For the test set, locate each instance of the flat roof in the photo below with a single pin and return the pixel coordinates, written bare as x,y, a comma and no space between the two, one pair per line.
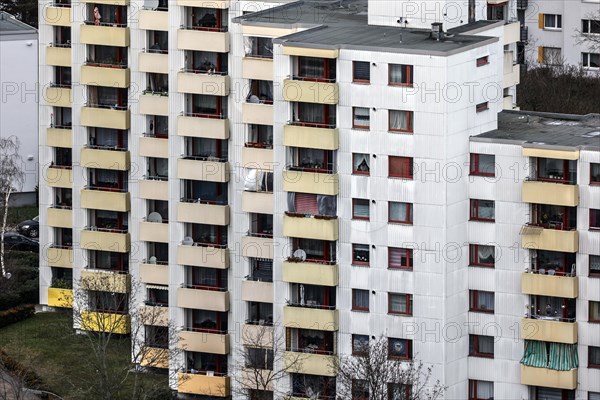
10,25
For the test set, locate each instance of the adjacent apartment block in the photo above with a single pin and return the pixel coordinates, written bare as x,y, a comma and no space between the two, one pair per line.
327,174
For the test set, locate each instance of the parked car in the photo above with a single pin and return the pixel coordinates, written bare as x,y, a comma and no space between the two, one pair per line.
30,228
15,241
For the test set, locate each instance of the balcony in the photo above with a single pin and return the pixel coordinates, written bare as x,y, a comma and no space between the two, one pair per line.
315,227
188,39
310,273
60,256
153,20
198,126
151,146
105,281
203,256
105,322
202,299
559,194
106,35
257,335
60,217
550,153
58,56
156,274
57,16
154,357
102,158
202,170
513,77
257,247
548,377
105,75
203,213
154,232
308,363
59,96
257,113
550,285
297,90
261,292
101,117
154,189
56,137
98,199
110,2
203,342
538,238
154,104
311,138
257,158
157,63
512,33
105,240
257,202
310,182
310,318
257,68
202,83
549,330
60,297
216,386
219,4
61,177
154,315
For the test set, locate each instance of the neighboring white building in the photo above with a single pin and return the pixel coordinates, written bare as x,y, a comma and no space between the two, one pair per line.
19,102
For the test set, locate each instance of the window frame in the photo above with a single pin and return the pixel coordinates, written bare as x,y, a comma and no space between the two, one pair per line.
409,166
359,262
409,119
590,319
476,352
588,56
354,80
409,304
588,30
474,165
409,217
409,73
356,352
356,172
473,385
481,107
361,127
483,61
406,388
594,212
356,307
557,22
594,182
590,365
590,274
408,347
473,259
354,216
474,295
408,256
474,203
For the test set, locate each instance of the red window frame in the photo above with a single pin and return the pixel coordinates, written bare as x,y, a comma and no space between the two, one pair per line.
474,165
474,302
356,352
409,119
474,204
481,61
475,352
590,365
360,262
355,172
473,390
408,350
409,75
594,182
326,70
482,107
408,217
473,261
408,255
360,80
354,201
566,173
408,161
357,308
590,312
354,126
409,305
590,273
594,215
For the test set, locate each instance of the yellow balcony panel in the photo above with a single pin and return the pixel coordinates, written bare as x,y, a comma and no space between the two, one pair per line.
57,16
308,52
60,297
512,32
210,128
200,299
200,170
109,2
105,118
105,200
257,202
105,281
154,189
59,96
257,158
311,228
310,273
154,147
267,31
105,76
59,138
550,193
153,20
257,335
154,315
203,256
548,330
105,241
59,177
104,35
513,77
550,285
257,247
257,68
219,4
261,292
310,182
153,104
217,42
105,159
60,257
559,154
310,92
58,56
154,62
250,376
154,357
204,342
198,213
157,274
215,386
311,138
154,232
310,318
545,377
105,322
307,363
550,239
60,217
199,83
257,113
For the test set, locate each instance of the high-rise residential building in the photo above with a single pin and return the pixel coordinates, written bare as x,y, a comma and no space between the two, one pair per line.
324,172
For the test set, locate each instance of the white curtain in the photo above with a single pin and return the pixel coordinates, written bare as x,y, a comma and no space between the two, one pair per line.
396,73
310,67
399,120
400,211
311,113
248,45
486,345
485,254
486,300
398,303
361,298
485,390
361,163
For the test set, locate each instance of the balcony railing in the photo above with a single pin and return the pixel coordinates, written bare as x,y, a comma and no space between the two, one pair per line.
203,287
204,28
307,305
108,24
312,124
108,106
204,115
106,189
108,230
311,79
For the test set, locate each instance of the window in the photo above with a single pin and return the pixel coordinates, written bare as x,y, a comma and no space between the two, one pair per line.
594,312
595,266
481,61
481,390
482,164
594,396
594,218
360,118
555,170
593,357
482,107
400,212
400,121
481,256
316,69
400,303
481,346
482,210
400,258
551,55
594,174
481,301
361,71
590,60
400,75
360,300
360,254
360,164
552,21
590,26
400,167
360,209
400,349
360,389
360,345
399,391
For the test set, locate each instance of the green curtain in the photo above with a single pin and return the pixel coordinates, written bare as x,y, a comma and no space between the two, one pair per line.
556,356
535,354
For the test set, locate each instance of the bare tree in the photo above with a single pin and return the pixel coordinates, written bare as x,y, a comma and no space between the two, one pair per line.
12,178
375,375
589,34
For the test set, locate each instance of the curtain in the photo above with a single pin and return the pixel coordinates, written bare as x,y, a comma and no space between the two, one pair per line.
309,112
594,310
595,264
397,257
291,202
360,162
361,298
398,211
486,209
485,390
399,120
487,163
250,182
310,67
563,356
486,344
248,45
400,166
535,354
486,300
485,254
327,205
398,303
397,73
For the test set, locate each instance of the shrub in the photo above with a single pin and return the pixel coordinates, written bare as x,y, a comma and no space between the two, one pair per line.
16,314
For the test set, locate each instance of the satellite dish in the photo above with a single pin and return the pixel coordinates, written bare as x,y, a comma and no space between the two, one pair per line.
188,241
154,217
151,4
153,260
301,254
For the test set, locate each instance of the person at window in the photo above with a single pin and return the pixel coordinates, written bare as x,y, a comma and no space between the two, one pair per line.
97,16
